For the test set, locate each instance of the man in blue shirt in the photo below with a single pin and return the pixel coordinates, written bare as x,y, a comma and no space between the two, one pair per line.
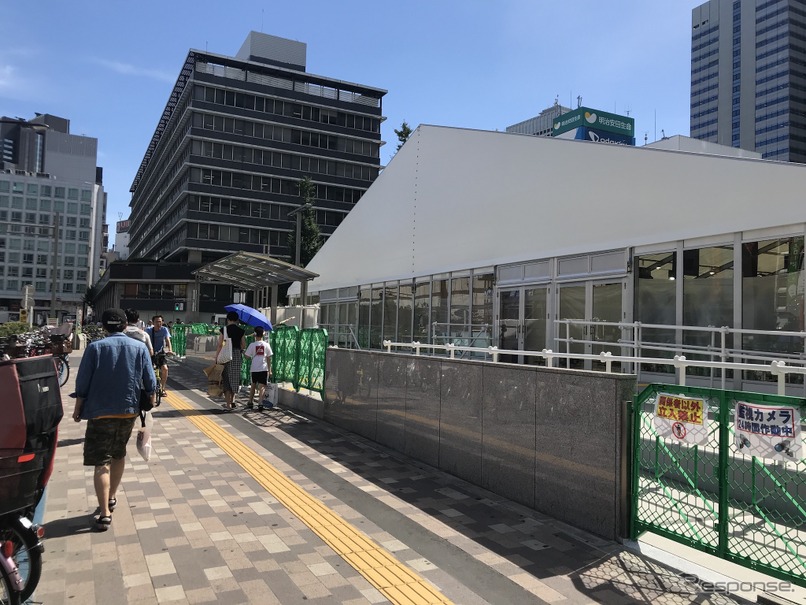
161,343
108,398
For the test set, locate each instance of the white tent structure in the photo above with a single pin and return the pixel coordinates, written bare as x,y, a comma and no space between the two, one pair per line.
456,199
490,238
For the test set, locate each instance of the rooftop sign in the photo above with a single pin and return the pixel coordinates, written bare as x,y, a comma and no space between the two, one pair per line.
589,118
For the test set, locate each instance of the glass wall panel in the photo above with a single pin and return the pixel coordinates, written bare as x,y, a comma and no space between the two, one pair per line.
459,328
655,304
404,314
482,310
363,317
390,313
439,311
707,301
376,318
772,294
707,289
422,312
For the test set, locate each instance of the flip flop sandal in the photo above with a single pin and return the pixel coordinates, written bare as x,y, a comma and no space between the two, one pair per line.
103,523
113,502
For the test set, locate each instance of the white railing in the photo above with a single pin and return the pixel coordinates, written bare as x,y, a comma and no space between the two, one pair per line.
776,368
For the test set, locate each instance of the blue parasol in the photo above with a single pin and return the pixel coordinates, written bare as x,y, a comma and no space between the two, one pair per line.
250,316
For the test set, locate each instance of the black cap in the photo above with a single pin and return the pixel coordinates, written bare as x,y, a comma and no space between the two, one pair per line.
114,320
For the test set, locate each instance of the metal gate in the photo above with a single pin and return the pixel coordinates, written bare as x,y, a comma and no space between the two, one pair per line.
723,472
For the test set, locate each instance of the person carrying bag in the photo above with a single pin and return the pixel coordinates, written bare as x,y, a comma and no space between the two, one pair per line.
230,347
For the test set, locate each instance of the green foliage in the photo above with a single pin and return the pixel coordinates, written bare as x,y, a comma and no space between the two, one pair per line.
93,332
403,134
311,237
13,327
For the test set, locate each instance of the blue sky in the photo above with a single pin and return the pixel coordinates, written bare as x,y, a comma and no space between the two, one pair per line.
109,66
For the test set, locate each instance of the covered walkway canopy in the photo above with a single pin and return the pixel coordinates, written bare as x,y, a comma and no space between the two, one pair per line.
252,271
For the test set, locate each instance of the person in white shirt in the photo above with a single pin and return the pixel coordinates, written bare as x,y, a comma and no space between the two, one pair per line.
260,353
133,330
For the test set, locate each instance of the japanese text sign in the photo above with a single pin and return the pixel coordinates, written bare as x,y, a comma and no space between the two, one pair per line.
768,431
681,418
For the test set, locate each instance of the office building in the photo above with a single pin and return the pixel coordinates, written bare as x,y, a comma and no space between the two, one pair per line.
748,76
52,209
541,125
235,139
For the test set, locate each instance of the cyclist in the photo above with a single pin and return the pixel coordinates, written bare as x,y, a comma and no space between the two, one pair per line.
161,342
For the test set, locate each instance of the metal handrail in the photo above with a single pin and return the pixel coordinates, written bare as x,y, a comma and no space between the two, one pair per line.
776,368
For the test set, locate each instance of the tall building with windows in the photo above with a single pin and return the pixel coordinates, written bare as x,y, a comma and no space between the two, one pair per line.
237,135
748,76
52,209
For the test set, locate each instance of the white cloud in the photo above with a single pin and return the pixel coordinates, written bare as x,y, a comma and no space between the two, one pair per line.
133,70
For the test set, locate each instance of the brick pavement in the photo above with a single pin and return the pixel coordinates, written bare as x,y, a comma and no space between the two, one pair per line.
193,526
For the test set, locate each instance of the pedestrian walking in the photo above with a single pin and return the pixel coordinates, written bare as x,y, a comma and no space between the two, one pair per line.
232,368
260,353
133,330
107,396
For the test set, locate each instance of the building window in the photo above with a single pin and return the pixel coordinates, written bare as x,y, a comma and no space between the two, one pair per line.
59,193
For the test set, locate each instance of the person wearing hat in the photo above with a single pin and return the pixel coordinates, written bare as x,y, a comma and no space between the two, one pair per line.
107,397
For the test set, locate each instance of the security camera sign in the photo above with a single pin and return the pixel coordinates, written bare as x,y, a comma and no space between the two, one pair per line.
768,431
681,418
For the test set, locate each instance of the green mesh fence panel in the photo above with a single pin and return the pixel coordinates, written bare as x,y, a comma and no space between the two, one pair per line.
310,372
700,479
179,339
284,346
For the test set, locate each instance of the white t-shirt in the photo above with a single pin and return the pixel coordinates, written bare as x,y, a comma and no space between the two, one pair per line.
260,352
138,334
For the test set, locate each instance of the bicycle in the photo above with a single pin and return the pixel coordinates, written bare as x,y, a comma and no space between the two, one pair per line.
25,550
9,576
60,352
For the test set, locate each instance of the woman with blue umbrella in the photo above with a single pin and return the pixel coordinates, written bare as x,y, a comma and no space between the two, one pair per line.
232,368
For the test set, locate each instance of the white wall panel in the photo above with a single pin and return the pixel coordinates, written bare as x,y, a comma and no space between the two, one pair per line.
454,199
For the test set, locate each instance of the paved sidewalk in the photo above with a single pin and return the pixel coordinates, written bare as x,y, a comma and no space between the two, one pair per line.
198,525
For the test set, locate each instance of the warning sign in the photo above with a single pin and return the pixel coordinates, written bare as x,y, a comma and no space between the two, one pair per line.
681,418
768,431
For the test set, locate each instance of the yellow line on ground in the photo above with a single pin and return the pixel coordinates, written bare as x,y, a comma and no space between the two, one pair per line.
394,580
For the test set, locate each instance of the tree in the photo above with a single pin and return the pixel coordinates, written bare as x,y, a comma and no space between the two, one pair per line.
311,238
403,134
90,294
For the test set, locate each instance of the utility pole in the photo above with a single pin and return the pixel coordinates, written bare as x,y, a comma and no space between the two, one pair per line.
55,267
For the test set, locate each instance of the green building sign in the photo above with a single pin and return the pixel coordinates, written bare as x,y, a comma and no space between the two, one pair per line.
584,117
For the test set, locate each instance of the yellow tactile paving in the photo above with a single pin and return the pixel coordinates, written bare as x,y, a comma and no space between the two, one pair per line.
394,580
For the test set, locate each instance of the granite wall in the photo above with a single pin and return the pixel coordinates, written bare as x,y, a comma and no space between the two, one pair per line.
553,439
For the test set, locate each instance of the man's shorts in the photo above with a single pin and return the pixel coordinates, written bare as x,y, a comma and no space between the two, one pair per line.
160,359
260,377
105,439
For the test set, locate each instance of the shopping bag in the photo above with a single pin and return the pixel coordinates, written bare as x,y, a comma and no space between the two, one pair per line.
225,354
214,372
214,389
271,395
144,437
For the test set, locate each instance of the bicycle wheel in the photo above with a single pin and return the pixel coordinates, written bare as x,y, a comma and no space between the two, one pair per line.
27,555
62,370
8,595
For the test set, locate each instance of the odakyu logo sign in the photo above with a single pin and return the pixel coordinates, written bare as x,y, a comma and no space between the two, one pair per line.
599,136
